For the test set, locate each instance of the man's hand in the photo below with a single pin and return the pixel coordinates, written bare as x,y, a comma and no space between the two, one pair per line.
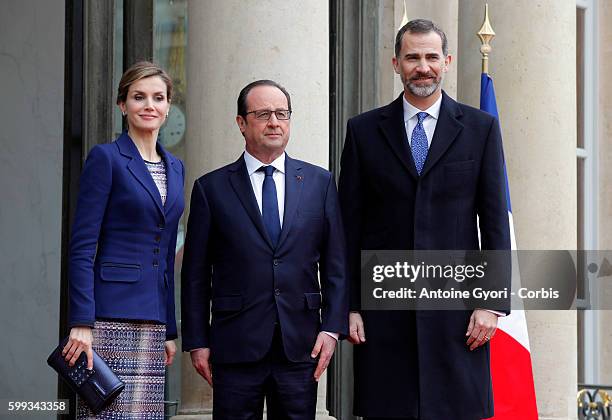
481,328
324,347
199,359
356,330
170,351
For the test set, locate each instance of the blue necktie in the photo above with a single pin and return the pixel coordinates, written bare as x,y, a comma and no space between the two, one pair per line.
269,205
418,143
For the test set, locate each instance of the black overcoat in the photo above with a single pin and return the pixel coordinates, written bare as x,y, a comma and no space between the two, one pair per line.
417,364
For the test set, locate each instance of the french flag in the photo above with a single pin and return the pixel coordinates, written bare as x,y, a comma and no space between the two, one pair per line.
513,389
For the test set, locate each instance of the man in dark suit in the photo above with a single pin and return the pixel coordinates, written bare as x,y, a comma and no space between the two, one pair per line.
260,232
416,174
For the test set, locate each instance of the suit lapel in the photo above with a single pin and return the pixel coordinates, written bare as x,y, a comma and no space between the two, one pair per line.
447,129
294,180
394,130
138,169
239,178
173,178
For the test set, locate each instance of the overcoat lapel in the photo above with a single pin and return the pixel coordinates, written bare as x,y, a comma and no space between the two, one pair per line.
239,178
139,170
447,129
294,180
393,128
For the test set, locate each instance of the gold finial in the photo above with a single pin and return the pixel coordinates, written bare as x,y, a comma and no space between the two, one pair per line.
486,34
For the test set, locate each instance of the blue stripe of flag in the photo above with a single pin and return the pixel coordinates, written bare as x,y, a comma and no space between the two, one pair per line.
488,104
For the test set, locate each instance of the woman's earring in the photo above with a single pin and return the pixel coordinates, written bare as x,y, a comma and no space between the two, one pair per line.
124,113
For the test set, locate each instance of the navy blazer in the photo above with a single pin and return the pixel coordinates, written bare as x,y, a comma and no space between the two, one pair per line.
123,239
230,261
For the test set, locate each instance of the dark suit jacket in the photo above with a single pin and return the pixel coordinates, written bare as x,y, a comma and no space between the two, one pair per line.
229,261
386,205
123,239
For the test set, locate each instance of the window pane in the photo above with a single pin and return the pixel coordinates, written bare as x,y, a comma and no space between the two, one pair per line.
169,49
580,75
581,265
580,330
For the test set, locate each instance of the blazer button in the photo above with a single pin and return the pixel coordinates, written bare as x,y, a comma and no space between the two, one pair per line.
277,292
156,251
276,262
160,226
155,263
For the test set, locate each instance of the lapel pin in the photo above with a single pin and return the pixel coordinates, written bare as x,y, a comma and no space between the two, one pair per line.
299,177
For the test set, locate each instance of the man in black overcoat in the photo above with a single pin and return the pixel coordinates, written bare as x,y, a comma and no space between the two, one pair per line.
418,174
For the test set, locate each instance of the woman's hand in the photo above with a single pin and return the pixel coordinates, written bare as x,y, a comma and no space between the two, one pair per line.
80,340
170,351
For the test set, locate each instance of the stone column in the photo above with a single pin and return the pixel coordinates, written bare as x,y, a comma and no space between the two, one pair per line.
286,41
537,107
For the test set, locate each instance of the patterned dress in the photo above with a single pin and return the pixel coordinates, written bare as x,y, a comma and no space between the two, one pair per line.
134,350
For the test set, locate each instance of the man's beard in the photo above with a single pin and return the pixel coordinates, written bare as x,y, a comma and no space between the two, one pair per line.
423,91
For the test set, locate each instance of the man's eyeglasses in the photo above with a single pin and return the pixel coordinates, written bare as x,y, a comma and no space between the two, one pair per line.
265,114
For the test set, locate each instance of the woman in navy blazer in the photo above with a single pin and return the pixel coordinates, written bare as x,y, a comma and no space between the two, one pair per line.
123,246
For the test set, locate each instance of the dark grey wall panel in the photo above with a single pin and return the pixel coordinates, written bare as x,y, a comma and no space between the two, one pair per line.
31,116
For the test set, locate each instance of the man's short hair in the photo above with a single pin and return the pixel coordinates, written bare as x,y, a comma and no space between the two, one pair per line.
420,26
242,97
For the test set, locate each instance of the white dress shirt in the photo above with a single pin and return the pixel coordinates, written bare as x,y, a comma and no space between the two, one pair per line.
429,123
257,179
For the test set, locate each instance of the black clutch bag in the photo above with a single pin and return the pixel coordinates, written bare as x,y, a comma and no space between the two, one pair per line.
98,387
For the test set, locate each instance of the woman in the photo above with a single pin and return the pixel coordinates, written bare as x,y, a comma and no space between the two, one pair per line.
122,250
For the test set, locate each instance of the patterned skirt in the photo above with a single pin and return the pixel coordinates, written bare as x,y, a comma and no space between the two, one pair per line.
135,352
